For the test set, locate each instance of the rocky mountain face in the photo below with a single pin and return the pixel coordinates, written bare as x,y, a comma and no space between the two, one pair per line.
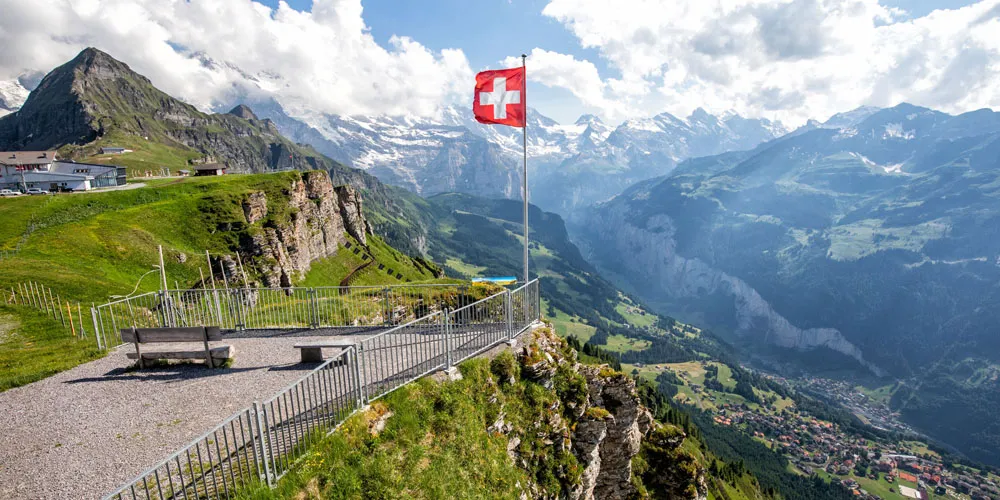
598,418
876,239
320,218
95,97
570,166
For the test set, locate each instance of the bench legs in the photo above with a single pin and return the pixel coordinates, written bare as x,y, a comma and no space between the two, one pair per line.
312,355
315,355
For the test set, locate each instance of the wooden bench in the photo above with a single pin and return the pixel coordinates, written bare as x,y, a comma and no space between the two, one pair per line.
213,356
313,351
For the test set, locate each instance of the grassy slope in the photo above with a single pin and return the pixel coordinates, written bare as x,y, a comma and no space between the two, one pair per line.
33,346
434,445
87,247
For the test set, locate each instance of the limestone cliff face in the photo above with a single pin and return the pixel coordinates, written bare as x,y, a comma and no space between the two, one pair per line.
652,254
603,425
321,217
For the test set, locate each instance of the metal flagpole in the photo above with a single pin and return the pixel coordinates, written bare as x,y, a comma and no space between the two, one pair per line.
524,177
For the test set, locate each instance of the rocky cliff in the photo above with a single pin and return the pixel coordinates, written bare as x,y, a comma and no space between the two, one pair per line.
652,253
315,221
598,418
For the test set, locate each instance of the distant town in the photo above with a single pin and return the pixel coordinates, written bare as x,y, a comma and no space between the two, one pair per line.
870,468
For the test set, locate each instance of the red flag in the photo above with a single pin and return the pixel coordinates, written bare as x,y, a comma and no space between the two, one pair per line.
499,97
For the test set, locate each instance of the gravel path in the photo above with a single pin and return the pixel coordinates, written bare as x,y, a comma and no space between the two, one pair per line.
84,432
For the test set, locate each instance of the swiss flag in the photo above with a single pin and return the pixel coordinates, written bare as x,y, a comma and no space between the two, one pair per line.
499,97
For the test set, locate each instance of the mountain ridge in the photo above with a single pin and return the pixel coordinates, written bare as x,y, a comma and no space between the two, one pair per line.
96,100
878,237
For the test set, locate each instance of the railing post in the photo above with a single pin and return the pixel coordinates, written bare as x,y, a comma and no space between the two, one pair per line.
359,376
538,301
314,307
386,310
447,338
509,313
265,456
218,305
360,370
97,332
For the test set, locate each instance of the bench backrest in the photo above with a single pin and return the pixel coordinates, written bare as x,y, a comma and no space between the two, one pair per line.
188,334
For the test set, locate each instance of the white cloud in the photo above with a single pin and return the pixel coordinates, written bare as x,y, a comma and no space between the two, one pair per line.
788,59
321,61
581,78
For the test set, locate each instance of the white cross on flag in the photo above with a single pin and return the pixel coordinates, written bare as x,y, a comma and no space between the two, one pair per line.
499,97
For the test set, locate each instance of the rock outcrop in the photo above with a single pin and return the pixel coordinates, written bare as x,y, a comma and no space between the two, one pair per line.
602,408
320,218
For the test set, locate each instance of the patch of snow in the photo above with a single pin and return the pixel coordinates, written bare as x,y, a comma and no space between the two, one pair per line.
896,131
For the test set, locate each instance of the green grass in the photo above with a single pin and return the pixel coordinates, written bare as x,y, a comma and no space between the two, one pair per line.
635,315
434,443
33,346
87,247
331,271
145,155
621,343
566,325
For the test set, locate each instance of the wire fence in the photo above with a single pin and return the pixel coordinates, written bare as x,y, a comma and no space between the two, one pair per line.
259,444
280,308
41,297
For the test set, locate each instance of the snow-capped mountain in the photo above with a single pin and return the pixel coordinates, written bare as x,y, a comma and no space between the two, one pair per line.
12,96
569,165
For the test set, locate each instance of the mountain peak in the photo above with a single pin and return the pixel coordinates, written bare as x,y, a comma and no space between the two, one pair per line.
587,119
243,111
94,63
700,113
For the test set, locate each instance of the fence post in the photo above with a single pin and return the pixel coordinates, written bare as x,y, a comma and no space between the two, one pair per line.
357,375
314,306
58,304
97,332
509,313
386,311
265,456
447,338
359,369
537,303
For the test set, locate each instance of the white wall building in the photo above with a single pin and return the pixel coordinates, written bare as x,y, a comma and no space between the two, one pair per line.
22,170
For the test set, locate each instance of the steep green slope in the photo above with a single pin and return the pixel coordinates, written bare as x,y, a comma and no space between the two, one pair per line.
89,246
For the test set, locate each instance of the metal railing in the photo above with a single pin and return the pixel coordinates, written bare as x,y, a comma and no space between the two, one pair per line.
279,308
259,444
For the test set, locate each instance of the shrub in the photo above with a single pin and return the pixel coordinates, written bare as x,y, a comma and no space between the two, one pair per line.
505,368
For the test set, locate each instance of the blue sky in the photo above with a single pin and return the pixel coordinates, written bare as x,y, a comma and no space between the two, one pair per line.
788,60
487,31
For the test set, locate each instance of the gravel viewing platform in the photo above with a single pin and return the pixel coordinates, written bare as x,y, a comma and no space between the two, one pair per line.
84,432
